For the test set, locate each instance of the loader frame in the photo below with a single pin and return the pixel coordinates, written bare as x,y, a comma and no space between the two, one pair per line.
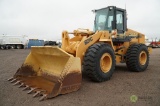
51,71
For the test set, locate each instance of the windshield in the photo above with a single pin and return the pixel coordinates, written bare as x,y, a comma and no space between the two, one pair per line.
103,19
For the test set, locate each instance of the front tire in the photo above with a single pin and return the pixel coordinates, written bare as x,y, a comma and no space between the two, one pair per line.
137,57
99,62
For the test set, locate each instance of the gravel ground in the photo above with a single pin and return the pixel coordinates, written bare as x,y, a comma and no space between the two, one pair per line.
116,92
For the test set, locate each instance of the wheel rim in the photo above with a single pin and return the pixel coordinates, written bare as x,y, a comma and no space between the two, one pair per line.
142,58
106,62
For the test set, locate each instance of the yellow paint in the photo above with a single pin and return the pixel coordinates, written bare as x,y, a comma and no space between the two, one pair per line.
149,50
60,61
106,62
77,47
142,57
82,47
51,60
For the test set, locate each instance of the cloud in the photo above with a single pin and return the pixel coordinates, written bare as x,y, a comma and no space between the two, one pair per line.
47,19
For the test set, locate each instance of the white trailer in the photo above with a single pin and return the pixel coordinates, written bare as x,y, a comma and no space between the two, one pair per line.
15,42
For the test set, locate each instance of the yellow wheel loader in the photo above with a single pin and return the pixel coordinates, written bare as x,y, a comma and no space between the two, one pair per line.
49,71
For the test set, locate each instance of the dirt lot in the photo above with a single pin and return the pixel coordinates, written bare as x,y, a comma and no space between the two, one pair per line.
116,92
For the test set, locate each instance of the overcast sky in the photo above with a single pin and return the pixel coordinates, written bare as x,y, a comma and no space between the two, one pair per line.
46,19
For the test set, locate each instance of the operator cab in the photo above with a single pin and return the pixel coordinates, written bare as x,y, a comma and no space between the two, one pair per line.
110,18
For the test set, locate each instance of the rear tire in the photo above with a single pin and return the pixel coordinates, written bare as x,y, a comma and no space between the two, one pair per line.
7,47
99,62
19,47
13,46
137,57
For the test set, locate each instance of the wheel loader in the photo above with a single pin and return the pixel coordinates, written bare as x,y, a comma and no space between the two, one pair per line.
49,71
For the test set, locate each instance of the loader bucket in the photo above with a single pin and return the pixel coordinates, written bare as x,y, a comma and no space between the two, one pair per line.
49,71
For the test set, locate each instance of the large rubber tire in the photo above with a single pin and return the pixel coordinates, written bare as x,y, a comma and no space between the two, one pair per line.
19,46
92,62
2,47
13,46
133,55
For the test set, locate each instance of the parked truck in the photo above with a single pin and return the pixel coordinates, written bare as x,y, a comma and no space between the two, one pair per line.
14,42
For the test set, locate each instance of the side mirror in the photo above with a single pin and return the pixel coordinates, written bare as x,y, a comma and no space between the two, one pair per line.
113,25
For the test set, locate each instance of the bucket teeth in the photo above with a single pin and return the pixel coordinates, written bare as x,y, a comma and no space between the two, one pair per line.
13,80
16,83
37,93
43,97
10,79
30,91
27,87
22,85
